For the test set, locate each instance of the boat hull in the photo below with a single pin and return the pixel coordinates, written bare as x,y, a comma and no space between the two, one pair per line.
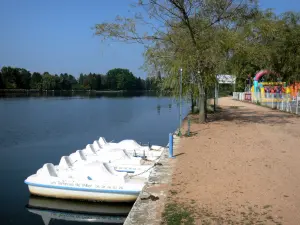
87,195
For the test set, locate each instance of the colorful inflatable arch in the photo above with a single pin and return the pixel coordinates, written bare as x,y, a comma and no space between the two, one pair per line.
259,75
258,87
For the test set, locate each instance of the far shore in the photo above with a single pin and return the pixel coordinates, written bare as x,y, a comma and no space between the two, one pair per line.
77,91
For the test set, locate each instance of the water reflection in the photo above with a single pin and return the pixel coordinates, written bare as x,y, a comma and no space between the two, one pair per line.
85,94
158,107
51,210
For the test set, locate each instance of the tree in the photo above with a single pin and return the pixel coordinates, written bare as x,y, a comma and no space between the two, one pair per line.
9,76
36,81
23,79
72,80
104,82
285,46
194,22
48,82
81,79
98,82
139,84
92,81
1,81
65,82
118,79
111,76
267,42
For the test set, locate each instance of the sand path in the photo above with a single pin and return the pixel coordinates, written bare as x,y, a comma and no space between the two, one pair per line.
248,156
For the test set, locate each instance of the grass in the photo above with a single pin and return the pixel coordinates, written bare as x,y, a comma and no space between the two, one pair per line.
184,214
173,192
234,107
178,214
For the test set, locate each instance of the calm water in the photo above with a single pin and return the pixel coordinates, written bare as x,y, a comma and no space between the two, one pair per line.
36,130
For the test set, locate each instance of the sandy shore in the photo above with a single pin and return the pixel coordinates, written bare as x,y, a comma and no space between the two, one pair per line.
243,167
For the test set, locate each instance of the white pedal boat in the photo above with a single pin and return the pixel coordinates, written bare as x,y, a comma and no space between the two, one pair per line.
58,209
115,157
67,162
66,165
92,182
130,146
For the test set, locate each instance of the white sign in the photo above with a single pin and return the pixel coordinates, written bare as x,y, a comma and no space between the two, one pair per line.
226,79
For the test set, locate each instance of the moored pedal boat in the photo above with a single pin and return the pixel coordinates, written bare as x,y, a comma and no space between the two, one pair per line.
129,145
116,157
93,182
138,171
91,150
132,148
66,162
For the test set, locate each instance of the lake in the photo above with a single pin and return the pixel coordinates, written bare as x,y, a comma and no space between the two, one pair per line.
37,130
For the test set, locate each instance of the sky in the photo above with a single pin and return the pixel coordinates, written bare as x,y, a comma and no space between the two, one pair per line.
56,36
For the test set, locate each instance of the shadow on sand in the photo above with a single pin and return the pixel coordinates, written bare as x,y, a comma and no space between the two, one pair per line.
245,115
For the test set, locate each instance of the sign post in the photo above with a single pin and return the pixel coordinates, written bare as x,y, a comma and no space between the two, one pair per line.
180,83
297,104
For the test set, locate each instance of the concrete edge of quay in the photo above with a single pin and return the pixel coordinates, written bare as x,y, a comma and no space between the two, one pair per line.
149,206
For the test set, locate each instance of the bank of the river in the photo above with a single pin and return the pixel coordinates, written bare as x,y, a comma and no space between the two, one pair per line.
240,168
150,204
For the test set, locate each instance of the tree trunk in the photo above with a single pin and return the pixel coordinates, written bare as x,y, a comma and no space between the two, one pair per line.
192,102
201,104
215,106
215,97
205,106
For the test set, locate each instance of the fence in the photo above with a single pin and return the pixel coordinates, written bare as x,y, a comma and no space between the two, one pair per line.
283,102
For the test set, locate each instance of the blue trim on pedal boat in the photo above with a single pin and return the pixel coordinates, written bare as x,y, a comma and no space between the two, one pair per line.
127,171
83,189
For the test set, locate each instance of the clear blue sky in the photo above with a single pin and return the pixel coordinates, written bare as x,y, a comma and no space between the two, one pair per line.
56,36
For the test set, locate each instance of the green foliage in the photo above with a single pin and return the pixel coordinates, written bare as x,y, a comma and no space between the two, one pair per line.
123,79
1,81
195,36
36,81
175,214
116,79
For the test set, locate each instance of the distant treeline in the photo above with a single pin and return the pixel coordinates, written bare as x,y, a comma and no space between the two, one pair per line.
115,79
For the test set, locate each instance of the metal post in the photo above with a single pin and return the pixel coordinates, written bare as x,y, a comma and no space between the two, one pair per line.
272,96
171,145
189,127
179,132
216,96
297,104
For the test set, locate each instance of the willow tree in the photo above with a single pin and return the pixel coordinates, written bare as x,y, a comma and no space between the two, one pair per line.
162,17
199,70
